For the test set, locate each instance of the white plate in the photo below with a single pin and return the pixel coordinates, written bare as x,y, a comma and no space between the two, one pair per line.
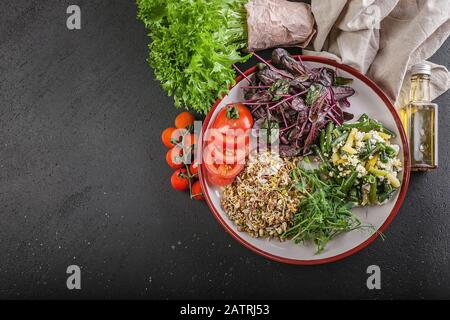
368,99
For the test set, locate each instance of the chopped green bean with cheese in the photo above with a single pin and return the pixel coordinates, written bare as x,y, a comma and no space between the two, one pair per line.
362,158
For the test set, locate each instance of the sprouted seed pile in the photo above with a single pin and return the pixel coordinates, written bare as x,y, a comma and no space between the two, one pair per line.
261,201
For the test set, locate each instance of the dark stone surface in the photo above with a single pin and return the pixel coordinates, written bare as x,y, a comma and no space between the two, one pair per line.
83,181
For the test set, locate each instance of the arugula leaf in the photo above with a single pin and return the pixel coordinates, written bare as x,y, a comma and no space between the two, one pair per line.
323,213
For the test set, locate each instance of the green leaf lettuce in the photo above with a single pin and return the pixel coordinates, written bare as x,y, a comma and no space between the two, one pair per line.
194,46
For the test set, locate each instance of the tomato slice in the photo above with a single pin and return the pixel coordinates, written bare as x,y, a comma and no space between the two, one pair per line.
218,181
233,138
221,164
213,154
227,144
225,171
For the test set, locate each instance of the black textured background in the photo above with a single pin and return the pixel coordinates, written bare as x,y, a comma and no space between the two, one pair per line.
83,181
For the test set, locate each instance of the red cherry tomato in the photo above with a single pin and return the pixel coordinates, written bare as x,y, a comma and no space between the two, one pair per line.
179,180
174,158
189,140
235,116
184,119
197,192
193,168
171,135
166,137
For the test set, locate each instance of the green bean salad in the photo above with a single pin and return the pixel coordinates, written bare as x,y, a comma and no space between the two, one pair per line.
360,158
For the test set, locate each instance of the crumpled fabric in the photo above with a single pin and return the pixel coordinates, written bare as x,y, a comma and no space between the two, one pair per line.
383,39
273,23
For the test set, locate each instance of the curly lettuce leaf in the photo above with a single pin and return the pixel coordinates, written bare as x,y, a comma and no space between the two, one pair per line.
194,46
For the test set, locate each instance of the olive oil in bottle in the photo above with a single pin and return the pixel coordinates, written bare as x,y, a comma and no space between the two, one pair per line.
419,118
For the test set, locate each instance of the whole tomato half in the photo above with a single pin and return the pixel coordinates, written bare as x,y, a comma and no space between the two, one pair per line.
233,117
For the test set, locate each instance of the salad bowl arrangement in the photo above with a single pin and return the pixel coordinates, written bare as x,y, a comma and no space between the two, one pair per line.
340,172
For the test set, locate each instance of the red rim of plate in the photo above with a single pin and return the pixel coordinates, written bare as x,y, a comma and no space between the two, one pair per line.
402,192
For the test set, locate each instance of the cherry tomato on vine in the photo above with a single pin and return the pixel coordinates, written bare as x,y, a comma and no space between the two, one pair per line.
166,137
172,136
189,140
174,158
179,180
193,168
197,192
184,120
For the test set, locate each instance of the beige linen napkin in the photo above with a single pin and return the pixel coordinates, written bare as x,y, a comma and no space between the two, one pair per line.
384,38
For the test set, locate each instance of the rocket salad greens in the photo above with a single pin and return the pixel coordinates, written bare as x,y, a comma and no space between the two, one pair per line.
323,211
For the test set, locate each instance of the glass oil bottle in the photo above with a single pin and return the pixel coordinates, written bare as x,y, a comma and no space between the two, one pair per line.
419,118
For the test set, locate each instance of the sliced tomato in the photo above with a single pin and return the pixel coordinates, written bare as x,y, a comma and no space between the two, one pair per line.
218,181
221,164
225,171
237,138
213,154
